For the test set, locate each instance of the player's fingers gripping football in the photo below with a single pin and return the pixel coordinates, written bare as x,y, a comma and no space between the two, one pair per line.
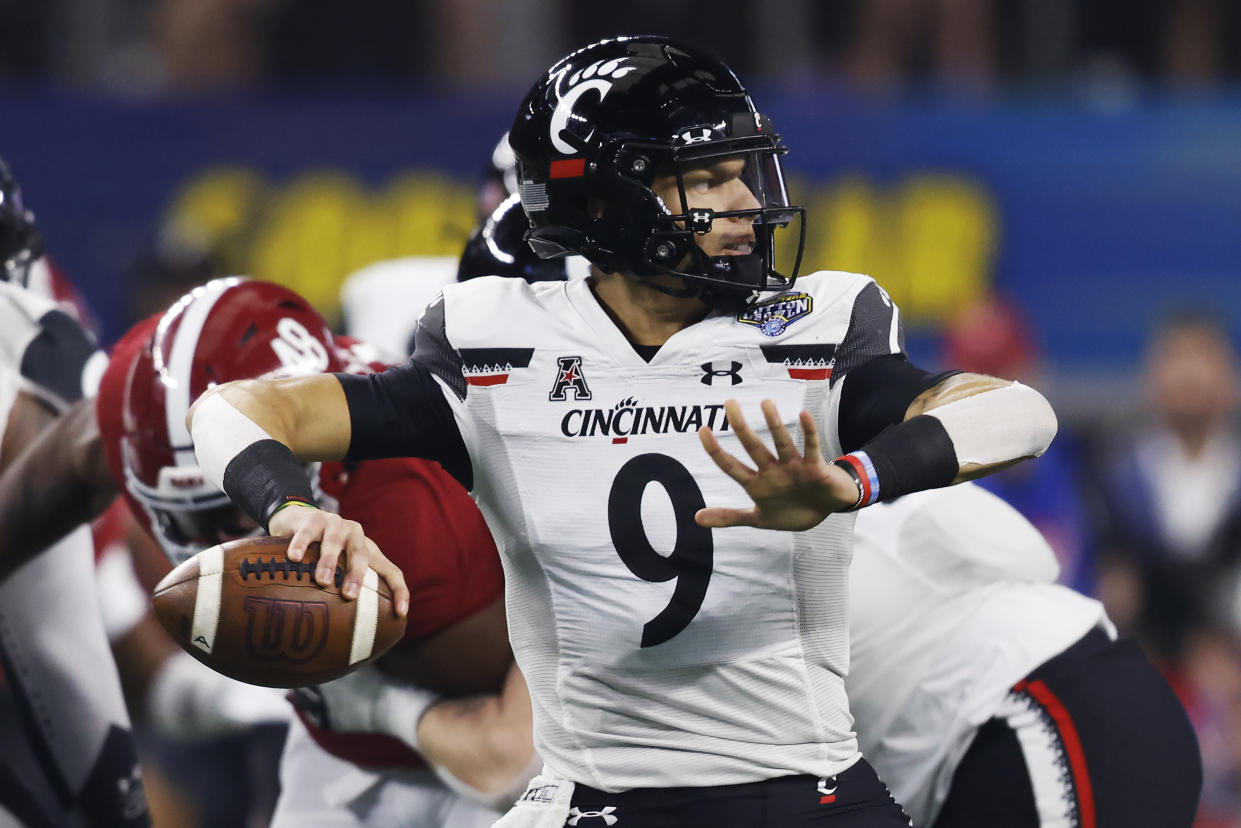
386,570
301,525
341,535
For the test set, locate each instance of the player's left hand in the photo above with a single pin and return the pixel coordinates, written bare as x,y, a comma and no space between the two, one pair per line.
791,490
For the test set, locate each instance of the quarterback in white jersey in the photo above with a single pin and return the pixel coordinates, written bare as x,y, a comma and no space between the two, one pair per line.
960,640
686,662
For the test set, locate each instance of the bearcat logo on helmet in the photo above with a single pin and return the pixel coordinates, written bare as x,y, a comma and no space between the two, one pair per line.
629,419
774,316
599,77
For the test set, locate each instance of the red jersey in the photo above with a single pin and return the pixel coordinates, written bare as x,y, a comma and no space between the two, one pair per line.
419,516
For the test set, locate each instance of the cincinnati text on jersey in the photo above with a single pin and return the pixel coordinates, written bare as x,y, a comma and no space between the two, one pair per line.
628,419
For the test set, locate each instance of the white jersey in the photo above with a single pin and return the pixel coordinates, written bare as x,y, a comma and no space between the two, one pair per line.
953,601
51,631
382,301
44,352
659,653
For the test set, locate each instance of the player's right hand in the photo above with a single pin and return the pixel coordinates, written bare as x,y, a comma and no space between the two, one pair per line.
792,490
306,525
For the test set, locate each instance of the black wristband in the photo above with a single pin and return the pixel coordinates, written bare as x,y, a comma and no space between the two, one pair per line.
849,464
912,456
264,476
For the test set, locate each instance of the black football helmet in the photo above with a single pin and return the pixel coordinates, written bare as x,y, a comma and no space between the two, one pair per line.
498,247
596,130
20,242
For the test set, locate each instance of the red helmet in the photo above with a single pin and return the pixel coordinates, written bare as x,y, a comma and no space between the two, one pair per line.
228,329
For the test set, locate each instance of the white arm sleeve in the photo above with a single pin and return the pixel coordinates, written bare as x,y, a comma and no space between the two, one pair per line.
999,425
220,432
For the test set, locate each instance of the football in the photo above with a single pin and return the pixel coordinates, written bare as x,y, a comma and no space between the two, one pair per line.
247,611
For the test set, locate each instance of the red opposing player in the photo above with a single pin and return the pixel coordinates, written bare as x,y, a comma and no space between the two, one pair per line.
231,329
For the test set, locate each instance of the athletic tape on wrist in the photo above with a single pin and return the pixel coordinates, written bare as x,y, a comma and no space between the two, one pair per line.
220,432
259,473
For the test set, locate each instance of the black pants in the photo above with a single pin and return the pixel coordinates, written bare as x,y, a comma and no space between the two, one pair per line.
1096,736
853,799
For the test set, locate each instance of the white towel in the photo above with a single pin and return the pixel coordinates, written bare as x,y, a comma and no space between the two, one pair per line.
545,804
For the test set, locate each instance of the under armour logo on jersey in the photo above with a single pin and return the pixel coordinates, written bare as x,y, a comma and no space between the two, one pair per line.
576,816
710,372
569,376
827,792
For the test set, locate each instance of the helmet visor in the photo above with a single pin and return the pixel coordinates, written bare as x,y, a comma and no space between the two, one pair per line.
731,211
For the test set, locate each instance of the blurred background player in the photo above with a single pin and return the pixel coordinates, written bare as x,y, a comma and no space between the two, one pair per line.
232,328
69,751
382,302
987,694
990,335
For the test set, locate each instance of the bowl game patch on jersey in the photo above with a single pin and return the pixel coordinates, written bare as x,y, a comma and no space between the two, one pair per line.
774,316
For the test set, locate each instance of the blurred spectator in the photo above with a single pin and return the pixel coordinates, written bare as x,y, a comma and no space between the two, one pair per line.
1208,681
181,257
991,337
949,40
191,46
1170,487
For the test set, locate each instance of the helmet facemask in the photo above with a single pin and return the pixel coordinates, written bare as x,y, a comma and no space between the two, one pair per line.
188,514
770,235
21,244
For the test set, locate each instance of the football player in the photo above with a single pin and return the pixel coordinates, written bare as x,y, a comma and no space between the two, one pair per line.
986,694
54,651
451,763
383,301
679,674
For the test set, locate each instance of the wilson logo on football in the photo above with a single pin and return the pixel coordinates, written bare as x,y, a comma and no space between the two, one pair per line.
284,630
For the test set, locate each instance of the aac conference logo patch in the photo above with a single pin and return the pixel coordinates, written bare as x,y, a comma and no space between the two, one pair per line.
774,316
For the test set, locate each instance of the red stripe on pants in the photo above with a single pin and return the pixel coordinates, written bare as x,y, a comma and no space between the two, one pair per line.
1072,744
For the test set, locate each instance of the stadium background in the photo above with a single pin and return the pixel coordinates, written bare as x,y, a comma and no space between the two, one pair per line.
1079,160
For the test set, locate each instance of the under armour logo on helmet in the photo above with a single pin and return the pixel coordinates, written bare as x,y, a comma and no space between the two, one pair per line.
710,372
695,136
700,219
576,816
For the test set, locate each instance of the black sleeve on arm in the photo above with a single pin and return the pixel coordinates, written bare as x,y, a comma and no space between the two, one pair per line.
264,477
876,395
402,413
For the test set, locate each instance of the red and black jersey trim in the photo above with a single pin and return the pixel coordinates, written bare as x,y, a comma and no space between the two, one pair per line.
492,366
805,362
